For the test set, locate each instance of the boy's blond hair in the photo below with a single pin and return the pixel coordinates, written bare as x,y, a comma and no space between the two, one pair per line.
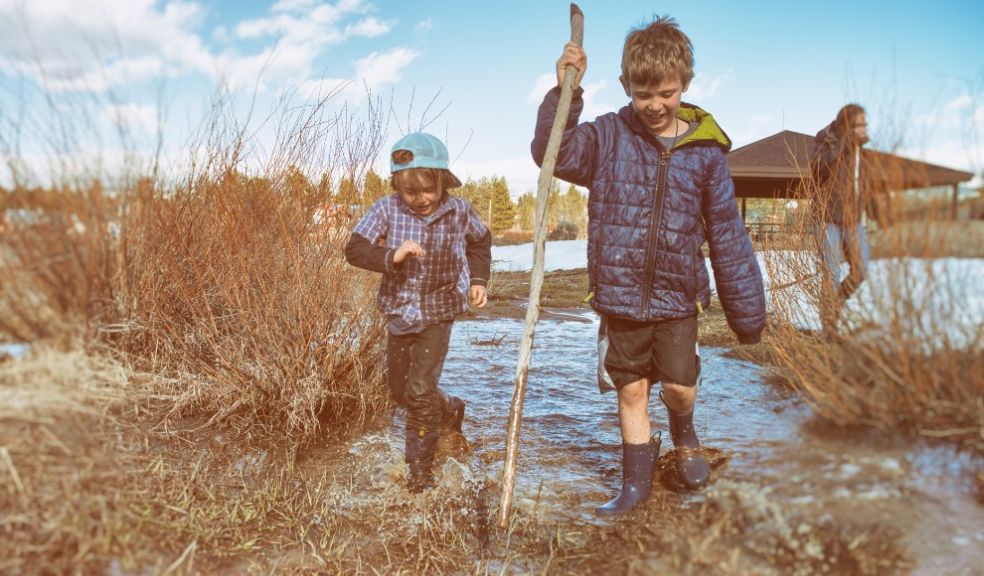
656,52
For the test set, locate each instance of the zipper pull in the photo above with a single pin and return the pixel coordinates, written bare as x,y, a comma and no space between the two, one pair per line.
700,307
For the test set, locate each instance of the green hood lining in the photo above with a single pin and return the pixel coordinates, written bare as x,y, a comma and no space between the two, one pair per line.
707,127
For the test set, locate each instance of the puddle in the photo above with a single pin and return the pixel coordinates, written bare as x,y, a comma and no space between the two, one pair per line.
777,451
570,446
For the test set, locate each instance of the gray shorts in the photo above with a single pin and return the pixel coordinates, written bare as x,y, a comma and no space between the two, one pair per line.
662,350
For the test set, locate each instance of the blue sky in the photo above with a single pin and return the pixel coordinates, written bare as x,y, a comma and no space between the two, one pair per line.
761,66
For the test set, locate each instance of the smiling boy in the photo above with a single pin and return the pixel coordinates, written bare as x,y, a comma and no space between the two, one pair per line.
659,186
435,255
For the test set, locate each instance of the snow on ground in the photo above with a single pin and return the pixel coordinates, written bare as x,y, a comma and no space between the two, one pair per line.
560,255
948,292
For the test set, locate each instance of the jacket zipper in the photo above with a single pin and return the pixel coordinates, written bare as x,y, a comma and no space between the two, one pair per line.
664,159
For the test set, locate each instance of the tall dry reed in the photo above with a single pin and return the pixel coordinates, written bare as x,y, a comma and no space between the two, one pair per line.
904,351
224,278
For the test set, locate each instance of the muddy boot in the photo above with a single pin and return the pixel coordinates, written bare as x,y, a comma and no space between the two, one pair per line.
638,463
694,468
452,412
420,448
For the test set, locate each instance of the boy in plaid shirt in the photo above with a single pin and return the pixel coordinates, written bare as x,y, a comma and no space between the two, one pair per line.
435,255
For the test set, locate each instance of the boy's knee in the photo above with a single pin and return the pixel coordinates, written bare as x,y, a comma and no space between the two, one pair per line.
634,393
423,402
679,397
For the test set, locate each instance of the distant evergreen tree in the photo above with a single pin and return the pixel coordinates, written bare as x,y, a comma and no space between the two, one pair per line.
572,207
374,187
503,209
553,204
525,208
297,185
347,193
324,190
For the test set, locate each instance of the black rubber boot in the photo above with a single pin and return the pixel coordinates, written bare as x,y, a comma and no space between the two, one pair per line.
638,463
694,468
420,448
452,412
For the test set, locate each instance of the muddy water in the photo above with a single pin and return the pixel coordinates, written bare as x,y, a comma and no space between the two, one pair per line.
570,451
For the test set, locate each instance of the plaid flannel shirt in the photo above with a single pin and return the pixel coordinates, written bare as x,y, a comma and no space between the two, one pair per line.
432,288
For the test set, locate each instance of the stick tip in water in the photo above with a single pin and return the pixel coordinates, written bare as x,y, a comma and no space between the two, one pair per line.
575,10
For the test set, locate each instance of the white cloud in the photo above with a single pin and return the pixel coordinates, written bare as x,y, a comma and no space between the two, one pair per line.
423,27
372,72
132,116
368,28
65,47
703,87
542,85
324,87
952,153
381,68
592,108
957,104
112,43
292,5
302,31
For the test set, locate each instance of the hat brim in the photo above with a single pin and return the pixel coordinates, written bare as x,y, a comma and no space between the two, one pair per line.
450,180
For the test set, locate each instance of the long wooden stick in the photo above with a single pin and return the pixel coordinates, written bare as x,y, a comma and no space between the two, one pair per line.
536,280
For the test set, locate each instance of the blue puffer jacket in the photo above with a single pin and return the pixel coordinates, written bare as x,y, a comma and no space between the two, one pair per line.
649,212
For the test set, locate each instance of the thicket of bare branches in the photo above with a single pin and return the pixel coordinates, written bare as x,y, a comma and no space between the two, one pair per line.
228,279
902,353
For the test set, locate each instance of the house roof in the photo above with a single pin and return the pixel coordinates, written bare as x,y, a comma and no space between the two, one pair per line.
775,163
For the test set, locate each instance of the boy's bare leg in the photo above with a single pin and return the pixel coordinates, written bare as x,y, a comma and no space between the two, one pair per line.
633,412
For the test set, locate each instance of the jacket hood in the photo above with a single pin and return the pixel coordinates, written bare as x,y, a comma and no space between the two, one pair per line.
828,135
831,139
707,131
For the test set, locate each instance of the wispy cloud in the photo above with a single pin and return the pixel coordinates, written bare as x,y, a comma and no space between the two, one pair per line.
113,43
372,72
542,85
132,116
704,87
368,28
65,47
592,107
423,27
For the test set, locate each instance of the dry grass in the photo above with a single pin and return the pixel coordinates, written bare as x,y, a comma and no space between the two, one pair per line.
930,239
223,282
904,356
90,484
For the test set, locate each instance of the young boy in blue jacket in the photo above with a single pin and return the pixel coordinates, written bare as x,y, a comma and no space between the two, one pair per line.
435,255
659,186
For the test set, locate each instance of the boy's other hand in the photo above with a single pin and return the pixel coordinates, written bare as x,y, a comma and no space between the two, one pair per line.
479,296
573,55
407,249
